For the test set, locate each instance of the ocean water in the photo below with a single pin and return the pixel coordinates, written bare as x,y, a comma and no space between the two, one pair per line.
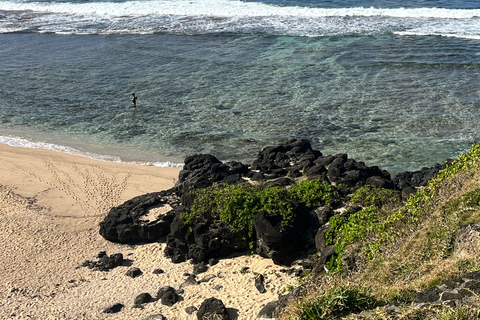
394,85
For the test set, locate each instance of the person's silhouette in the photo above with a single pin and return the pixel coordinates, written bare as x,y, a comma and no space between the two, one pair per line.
134,100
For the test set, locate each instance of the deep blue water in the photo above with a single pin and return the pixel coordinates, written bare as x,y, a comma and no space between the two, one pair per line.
392,85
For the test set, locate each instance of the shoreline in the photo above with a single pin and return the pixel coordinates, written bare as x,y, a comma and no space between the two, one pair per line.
51,203
21,142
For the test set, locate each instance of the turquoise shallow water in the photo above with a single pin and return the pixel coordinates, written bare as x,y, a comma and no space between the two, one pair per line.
373,87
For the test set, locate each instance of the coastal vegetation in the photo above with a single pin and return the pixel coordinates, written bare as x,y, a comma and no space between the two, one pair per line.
237,204
401,249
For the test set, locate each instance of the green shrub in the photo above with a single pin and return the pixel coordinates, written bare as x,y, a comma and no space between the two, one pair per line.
313,193
345,231
237,204
371,196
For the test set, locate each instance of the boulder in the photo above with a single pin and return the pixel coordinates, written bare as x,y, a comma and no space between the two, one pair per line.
127,224
298,153
206,240
134,272
168,296
142,298
212,308
283,244
202,170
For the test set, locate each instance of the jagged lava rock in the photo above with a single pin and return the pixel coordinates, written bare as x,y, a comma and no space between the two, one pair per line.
124,224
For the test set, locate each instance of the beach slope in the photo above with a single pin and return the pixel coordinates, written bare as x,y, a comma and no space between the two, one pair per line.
50,206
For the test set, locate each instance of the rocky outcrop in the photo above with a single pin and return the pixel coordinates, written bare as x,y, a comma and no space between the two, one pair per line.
408,179
129,223
283,244
201,171
202,242
134,221
453,292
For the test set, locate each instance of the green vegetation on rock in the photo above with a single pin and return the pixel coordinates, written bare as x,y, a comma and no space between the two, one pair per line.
238,204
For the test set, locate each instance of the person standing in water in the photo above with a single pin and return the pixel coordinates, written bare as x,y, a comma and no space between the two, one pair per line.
134,100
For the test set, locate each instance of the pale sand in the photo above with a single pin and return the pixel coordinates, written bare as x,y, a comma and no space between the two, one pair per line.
50,207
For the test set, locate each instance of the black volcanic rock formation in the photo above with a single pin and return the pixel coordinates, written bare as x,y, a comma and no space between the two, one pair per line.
281,165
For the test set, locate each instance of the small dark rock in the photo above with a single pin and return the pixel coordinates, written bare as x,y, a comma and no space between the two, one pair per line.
190,281
453,283
274,308
475,275
271,310
105,263
446,296
158,271
180,291
260,283
143,298
117,307
200,268
168,296
156,317
207,278
473,285
218,287
134,272
190,310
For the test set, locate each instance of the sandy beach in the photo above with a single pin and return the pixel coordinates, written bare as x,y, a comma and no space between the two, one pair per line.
51,204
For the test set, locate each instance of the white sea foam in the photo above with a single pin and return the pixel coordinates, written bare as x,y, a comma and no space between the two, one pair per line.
211,16
25,143
227,9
